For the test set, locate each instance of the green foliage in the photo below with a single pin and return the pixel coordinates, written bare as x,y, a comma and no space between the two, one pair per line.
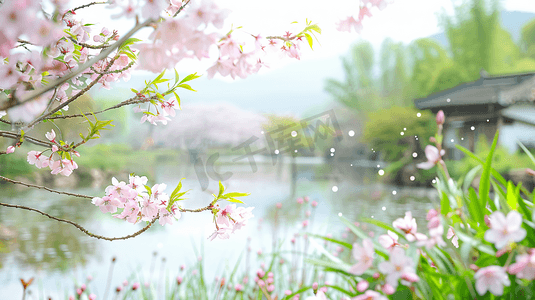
383,130
502,162
13,165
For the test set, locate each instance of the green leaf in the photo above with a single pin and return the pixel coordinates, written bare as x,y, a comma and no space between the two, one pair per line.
445,205
235,200
177,99
484,184
186,86
341,243
309,40
221,189
134,90
512,195
234,194
469,178
148,190
190,77
128,42
177,189
477,212
527,151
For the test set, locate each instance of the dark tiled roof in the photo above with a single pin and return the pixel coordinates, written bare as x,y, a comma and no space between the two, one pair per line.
504,90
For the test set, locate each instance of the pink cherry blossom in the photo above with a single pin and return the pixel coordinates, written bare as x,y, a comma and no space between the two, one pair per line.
524,267
370,295
364,255
106,204
153,8
10,149
408,225
454,238
222,233
389,240
397,266
348,24
433,157
170,106
505,230
492,279
51,136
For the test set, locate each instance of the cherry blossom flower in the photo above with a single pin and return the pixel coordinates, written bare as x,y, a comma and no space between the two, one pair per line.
397,266
137,183
364,256
51,136
408,225
454,238
170,106
223,67
524,267
10,149
106,204
153,8
504,230
389,240
370,295
222,233
492,279
348,24
433,157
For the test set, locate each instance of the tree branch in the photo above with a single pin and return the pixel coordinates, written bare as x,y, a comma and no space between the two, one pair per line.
44,188
82,229
37,92
16,136
80,93
87,5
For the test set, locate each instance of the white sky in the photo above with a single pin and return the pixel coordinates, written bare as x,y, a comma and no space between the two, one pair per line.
402,20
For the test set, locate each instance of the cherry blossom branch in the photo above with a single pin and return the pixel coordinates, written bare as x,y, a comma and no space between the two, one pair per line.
80,93
114,71
82,229
38,92
180,9
209,207
44,188
85,45
88,5
17,136
133,100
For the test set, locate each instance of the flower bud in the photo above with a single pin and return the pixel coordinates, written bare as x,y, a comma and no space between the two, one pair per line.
178,280
363,285
388,289
271,288
238,287
261,283
440,117
315,286
410,277
287,292
135,286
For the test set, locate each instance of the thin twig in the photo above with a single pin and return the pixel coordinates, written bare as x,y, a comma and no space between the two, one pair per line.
209,207
115,71
37,92
80,93
180,9
133,100
44,188
16,136
85,45
82,229
87,5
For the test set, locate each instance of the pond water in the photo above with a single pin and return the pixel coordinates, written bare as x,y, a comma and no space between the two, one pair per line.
59,255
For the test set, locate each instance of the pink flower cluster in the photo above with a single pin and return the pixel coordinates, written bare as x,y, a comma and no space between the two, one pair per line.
436,230
409,227
163,110
351,23
64,166
136,202
230,219
399,266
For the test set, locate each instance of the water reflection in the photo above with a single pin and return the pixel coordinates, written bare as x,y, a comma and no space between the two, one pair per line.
36,242
54,248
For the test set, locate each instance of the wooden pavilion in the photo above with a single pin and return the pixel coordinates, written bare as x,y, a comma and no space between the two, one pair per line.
481,107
